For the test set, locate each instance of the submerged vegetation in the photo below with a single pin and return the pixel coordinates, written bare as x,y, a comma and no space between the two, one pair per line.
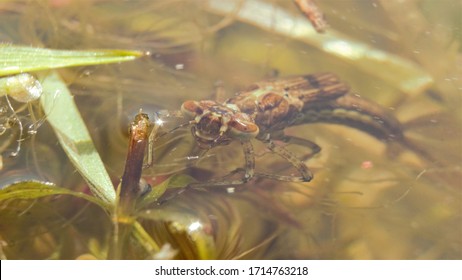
66,145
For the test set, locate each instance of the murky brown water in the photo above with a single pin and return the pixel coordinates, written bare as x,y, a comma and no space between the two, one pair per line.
367,200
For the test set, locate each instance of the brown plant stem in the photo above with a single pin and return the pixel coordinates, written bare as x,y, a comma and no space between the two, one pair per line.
129,188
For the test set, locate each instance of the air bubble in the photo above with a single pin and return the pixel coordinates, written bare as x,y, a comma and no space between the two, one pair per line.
22,87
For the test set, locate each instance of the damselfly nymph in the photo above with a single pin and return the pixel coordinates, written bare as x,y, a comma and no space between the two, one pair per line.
265,109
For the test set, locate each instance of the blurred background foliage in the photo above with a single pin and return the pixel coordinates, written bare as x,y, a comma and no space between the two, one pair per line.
404,55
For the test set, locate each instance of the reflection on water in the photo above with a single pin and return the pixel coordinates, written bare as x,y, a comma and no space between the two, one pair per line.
368,200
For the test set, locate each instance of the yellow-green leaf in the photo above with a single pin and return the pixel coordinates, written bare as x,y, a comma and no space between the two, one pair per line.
174,181
35,189
64,117
18,59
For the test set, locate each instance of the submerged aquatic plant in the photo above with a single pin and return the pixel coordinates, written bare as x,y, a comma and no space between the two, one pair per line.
27,201
407,205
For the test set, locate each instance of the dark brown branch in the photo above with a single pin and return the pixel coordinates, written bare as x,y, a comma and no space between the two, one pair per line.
130,188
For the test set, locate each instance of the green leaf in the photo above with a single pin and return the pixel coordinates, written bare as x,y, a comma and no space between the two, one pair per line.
64,117
174,181
18,59
35,189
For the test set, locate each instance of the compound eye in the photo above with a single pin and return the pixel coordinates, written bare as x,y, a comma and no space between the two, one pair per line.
242,129
191,108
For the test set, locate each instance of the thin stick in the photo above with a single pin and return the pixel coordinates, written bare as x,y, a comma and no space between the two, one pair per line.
313,13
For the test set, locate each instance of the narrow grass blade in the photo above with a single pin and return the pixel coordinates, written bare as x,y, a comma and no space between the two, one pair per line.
64,117
18,59
35,189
